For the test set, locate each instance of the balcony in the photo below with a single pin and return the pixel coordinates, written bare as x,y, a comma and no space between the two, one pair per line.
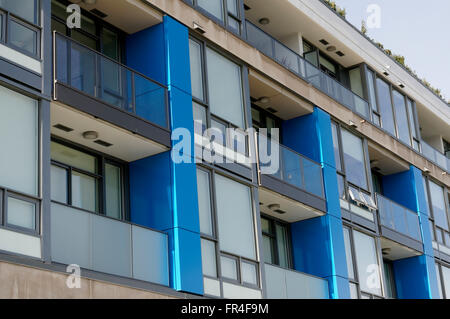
289,284
106,89
277,51
435,156
399,224
297,179
107,245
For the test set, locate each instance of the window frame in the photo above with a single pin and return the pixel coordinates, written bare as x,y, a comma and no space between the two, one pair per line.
100,177
342,172
5,37
274,243
356,279
212,172
437,230
205,102
441,264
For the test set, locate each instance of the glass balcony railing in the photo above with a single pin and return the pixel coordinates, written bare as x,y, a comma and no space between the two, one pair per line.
304,69
435,156
110,246
294,169
96,75
289,284
398,218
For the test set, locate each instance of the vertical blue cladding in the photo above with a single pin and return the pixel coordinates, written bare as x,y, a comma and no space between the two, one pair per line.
163,193
318,243
407,189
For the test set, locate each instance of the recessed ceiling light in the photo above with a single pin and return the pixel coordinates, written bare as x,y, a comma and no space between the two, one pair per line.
90,135
331,48
90,2
264,21
274,206
264,100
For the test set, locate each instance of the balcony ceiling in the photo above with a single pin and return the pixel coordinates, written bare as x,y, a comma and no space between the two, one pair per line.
288,105
386,162
395,251
128,15
432,125
126,145
286,20
295,211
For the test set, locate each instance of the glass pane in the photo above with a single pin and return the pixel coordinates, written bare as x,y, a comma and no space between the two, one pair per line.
214,7
235,217
411,117
110,41
249,273
21,213
446,280
195,54
113,184
74,158
58,27
233,7
234,24
353,291
200,123
19,142
25,9
438,205
219,132
341,186
337,157
354,159
348,253
59,184
402,118
367,263
204,202
265,225
23,37
84,39
229,267
209,258
385,104
282,246
286,57
59,10
83,69
84,192
112,75
371,87
88,25
225,88
150,101
439,281
268,250
389,280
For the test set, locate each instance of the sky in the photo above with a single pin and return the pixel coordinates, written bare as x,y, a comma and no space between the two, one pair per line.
416,29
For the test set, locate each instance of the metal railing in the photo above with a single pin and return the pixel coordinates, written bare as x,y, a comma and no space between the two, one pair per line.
304,69
398,218
95,74
294,168
290,284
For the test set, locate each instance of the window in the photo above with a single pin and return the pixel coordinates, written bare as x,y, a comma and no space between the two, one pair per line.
94,32
276,243
436,197
388,278
443,277
22,25
87,181
385,105
263,119
362,263
218,105
401,116
227,12
352,172
227,231
412,124
19,158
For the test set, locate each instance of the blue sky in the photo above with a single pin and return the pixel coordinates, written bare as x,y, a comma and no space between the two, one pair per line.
416,29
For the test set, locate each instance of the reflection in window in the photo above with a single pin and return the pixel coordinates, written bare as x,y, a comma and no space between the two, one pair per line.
401,116
354,160
385,105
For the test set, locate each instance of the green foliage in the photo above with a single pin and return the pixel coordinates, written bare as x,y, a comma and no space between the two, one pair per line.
336,8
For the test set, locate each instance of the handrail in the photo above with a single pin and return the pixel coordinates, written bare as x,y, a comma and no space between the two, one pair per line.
307,64
434,156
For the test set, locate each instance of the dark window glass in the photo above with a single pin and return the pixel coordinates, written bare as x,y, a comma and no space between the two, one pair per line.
26,9
23,37
385,104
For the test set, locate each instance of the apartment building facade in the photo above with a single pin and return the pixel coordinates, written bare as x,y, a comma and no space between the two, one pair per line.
358,207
